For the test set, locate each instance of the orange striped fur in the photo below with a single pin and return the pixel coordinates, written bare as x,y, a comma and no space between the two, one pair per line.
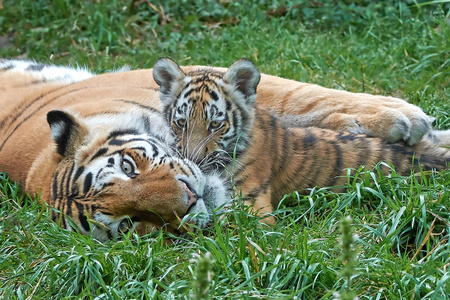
212,110
96,150
55,120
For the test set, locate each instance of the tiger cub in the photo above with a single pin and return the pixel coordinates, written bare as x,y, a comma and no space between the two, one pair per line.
218,123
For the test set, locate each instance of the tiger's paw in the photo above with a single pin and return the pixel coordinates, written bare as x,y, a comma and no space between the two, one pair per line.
390,124
419,127
396,126
389,118
395,120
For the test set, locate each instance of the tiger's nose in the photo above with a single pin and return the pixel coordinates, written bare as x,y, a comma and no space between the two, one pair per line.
191,193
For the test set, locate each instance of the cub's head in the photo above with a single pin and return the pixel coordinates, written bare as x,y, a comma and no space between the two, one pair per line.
210,112
111,180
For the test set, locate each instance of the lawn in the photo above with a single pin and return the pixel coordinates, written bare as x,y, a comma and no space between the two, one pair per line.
401,224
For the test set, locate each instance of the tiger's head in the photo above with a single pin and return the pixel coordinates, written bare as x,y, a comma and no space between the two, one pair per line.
211,112
117,173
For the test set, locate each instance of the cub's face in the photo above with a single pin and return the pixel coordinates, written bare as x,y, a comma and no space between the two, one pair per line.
200,118
210,112
118,181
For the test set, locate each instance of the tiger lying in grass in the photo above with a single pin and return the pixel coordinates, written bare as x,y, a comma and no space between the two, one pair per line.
212,110
105,159
96,148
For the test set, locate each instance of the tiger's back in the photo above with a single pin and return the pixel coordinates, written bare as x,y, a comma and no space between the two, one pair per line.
26,94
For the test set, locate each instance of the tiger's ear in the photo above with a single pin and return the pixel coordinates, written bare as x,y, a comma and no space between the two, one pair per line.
244,76
167,75
66,131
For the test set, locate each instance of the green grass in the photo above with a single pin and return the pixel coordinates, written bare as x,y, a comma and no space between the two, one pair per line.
403,223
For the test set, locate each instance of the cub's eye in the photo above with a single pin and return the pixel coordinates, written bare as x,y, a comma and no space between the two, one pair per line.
215,125
128,167
181,123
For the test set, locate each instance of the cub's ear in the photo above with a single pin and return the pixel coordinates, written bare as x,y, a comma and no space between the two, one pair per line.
244,76
66,131
167,74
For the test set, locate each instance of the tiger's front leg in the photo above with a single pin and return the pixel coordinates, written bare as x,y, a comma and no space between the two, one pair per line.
262,206
254,180
308,105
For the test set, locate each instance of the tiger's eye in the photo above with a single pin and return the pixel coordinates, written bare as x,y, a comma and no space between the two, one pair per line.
215,125
128,168
125,226
180,123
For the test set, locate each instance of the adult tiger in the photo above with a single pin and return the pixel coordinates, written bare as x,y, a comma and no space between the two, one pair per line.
107,160
210,110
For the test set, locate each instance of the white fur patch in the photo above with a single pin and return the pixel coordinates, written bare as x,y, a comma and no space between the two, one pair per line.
57,130
47,72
